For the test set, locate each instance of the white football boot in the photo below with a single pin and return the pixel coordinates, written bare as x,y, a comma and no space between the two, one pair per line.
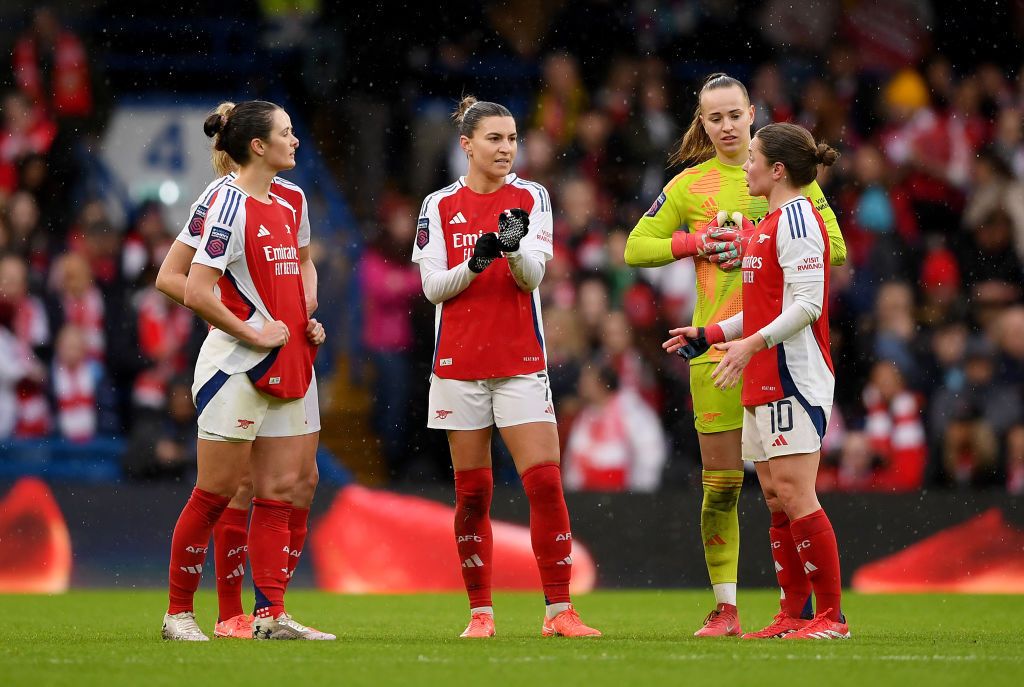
182,627
283,627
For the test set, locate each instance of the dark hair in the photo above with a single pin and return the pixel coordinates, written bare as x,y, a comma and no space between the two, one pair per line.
470,112
606,374
233,129
695,146
794,147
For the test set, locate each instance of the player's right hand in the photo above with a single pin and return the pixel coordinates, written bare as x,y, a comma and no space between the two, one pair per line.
273,335
686,342
486,250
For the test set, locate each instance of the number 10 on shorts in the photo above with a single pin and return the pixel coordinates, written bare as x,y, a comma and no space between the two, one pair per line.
781,414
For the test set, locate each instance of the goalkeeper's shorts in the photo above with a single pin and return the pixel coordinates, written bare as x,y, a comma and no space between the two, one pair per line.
714,410
502,402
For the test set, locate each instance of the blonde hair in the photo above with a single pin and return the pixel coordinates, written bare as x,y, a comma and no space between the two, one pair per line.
220,161
696,146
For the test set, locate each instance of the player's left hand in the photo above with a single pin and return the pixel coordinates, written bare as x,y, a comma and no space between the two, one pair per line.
315,332
738,353
513,225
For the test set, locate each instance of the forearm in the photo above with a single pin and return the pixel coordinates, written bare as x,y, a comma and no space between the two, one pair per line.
802,312
209,307
309,285
440,284
172,286
527,268
732,327
648,251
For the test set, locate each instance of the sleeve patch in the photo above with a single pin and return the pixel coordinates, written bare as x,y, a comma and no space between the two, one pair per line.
655,206
195,225
218,243
422,232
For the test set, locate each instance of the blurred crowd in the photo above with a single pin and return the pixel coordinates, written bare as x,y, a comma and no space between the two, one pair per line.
927,315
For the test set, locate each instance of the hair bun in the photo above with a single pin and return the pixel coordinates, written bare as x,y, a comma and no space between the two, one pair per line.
825,154
214,124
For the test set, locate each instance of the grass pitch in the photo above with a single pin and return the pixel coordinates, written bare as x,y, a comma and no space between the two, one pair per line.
112,638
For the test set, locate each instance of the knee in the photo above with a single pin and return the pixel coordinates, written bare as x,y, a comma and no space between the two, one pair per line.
278,487
774,503
305,488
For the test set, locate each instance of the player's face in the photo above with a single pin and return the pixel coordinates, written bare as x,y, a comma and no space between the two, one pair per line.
279,148
759,174
727,116
492,149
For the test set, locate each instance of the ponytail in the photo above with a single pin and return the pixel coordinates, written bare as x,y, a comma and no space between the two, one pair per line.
220,161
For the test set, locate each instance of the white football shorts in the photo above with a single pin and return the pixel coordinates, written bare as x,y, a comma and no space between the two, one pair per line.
476,404
230,408
782,428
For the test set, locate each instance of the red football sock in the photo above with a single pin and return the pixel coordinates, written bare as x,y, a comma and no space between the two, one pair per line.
189,542
816,543
268,554
473,489
796,588
230,554
298,525
549,530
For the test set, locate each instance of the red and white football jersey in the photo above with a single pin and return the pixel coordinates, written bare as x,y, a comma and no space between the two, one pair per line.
491,329
789,246
254,245
192,232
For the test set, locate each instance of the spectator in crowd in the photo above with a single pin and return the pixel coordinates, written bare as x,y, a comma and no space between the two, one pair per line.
81,393
52,68
971,415
390,283
894,431
162,444
79,302
23,412
26,131
617,442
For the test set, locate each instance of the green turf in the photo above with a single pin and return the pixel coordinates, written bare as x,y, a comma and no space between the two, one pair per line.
112,638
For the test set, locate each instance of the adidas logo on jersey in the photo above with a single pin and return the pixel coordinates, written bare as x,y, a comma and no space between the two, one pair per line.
263,231
458,219
780,441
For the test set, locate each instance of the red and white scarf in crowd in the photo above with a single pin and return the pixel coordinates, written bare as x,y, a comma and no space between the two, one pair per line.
75,391
86,313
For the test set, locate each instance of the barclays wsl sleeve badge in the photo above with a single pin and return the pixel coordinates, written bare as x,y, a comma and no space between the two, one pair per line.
218,243
655,206
195,225
422,232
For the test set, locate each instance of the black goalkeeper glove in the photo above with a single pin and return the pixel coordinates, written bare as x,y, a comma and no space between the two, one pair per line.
486,250
694,347
513,225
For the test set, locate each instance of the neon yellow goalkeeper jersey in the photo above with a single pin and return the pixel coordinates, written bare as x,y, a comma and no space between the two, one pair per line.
688,203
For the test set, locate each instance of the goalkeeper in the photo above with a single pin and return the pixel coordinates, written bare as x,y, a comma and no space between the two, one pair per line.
706,213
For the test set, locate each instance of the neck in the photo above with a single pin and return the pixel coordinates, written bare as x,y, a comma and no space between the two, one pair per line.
781,194
482,183
255,180
735,160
